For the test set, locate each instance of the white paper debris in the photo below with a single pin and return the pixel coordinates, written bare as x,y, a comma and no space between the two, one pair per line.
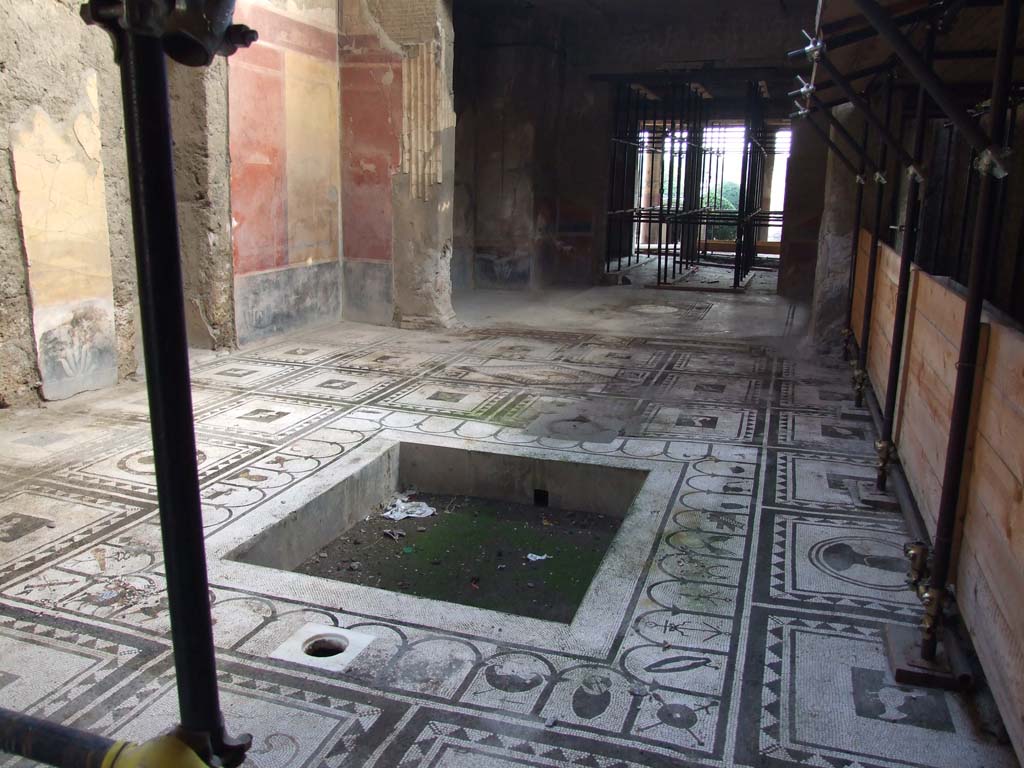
399,508
535,558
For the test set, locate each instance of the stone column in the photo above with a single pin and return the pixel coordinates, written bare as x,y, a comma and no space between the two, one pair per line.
199,119
398,161
424,191
802,220
835,243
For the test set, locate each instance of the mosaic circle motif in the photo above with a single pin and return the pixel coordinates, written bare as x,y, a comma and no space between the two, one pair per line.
862,560
142,463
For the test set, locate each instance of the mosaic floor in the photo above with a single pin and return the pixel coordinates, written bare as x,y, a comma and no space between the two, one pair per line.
749,636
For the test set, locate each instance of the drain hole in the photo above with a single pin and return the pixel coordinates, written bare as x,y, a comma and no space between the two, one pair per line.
325,647
540,497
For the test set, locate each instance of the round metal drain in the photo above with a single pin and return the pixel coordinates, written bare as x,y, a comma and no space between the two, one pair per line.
655,309
323,646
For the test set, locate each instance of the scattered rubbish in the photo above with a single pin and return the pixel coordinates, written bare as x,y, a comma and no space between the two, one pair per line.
322,555
502,567
407,550
395,533
355,566
537,558
421,529
399,508
530,584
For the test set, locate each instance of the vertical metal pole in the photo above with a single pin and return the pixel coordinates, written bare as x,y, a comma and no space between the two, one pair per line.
965,226
937,227
742,207
969,339
629,173
685,136
672,191
861,374
161,301
991,289
636,175
885,445
658,195
693,177
612,179
638,214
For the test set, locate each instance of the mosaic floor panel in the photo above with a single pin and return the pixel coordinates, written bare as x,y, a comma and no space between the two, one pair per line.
750,635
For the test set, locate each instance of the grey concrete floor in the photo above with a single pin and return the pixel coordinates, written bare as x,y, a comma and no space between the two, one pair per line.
736,622
636,310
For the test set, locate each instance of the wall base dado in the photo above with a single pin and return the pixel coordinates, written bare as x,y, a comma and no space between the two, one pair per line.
271,303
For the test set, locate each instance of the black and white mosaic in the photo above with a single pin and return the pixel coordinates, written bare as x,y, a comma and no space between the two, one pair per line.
745,631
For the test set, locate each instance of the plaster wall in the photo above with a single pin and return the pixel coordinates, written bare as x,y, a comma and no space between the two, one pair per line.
284,111
518,84
533,165
61,118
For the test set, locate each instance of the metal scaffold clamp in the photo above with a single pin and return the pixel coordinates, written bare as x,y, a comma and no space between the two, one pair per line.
993,161
917,553
192,32
805,89
813,50
886,453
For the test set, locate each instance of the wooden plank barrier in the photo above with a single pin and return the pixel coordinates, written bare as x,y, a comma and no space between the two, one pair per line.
883,313
988,575
927,382
990,568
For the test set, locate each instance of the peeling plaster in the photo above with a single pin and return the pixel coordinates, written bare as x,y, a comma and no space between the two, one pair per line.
62,202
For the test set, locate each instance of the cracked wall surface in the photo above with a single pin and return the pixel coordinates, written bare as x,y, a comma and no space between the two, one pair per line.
803,213
199,116
44,53
835,244
398,161
62,205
